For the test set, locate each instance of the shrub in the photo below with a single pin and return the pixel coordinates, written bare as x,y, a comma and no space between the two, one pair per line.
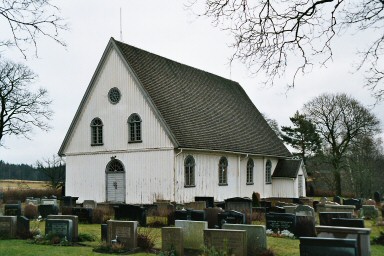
85,237
146,238
255,199
268,252
101,215
30,211
22,194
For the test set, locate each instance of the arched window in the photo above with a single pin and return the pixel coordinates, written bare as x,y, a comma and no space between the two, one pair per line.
134,123
96,132
268,172
189,174
115,166
250,166
223,172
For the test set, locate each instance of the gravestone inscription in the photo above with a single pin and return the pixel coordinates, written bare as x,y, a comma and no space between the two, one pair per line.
60,227
281,221
124,231
75,224
8,226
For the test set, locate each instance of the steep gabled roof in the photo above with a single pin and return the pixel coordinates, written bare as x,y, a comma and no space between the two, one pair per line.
200,110
288,168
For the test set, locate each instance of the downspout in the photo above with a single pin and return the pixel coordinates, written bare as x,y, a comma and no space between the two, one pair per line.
174,175
238,176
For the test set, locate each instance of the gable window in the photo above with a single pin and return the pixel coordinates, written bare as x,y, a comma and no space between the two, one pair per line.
134,123
250,166
189,174
268,172
223,171
96,132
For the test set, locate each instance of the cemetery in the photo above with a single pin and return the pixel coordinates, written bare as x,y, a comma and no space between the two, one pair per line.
202,227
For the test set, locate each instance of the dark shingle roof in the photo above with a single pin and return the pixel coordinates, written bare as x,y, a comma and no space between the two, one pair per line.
287,168
202,110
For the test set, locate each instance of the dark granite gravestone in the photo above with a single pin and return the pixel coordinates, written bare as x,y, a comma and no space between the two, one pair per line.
319,246
8,226
231,217
23,227
47,209
337,199
84,214
182,215
305,226
277,209
208,200
75,224
240,204
266,204
356,202
281,221
1,196
212,216
69,201
12,210
172,239
377,197
104,232
60,227
344,222
197,215
132,213
326,217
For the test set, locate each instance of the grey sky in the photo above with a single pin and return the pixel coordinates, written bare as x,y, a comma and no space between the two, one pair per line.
166,28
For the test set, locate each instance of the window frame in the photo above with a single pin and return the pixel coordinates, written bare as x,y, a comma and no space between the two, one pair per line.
97,132
189,171
249,174
223,171
268,172
134,128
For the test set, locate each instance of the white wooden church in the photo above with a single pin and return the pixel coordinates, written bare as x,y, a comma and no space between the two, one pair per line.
149,128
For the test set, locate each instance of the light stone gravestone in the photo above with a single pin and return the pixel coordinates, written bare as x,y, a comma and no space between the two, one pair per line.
233,240
8,226
192,233
48,201
124,231
60,227
362,235
90,204
289,208
256,237
75,224
369,212
304,210
33,201
172,239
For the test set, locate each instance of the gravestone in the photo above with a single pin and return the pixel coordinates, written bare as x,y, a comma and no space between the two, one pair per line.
356,202
23,227
314,204
12,209
124,232
69,201
337,199
192,233
377,197
33,201
197,215
256,237
304,210
166,209
132,213
233,240
277,209
361,235
60,227
345,222
266,204
104,232
182,215
211,215
232,217
84,214
172,239
198,205
281,221
8,226
90,204
335,208
327,246
325,218
209,201
305,226
289,208
240,204
75,224
51,201
47,209
369,212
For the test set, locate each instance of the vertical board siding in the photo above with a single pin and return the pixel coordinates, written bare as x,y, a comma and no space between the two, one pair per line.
113,73
148,176
284,188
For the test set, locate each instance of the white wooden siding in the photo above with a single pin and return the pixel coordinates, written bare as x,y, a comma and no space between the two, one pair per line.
148,176
113,73
284,187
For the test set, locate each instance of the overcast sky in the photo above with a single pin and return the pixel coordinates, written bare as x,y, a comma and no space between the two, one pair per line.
166,28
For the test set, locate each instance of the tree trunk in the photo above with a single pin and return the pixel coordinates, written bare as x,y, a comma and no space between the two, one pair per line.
337,177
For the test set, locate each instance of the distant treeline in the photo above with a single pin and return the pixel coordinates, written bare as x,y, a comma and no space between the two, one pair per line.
20,172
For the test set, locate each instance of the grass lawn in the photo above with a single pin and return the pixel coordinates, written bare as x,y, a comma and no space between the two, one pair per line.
281,246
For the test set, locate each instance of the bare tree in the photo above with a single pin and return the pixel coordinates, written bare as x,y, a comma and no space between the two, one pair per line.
340,120
21,109
27,20
270,35
54,169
